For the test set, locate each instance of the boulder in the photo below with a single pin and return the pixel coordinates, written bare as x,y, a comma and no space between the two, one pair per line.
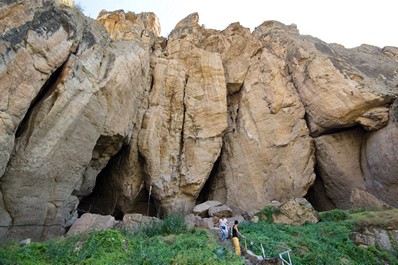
361,199
375,236
202,209
134,221
219,211
296,212
92,222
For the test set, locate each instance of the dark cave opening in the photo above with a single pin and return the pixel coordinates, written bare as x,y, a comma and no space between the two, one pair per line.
317,195
207,190
106,195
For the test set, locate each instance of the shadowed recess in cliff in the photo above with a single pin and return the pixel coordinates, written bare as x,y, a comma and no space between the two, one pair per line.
205,193
46,90
107,193
318,197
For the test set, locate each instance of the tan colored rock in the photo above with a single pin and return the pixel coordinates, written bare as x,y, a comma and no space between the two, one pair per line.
29,57
296,212
374,119
202,209
267,149
75,127
236,46
133,221
336,85
182,129
130,26
364,200
91,222
220,211
380,160
356,167
338,163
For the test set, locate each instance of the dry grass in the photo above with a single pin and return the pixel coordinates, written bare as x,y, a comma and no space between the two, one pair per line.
387,219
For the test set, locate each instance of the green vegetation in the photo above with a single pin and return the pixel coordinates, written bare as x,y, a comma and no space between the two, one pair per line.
327,242
171,242
165,242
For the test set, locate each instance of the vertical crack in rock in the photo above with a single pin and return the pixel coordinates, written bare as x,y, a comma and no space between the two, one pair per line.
46,90
184,113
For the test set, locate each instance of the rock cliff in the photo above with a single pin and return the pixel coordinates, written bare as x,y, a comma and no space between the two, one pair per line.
106,116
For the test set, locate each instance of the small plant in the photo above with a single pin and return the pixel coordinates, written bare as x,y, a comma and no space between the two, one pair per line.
333,215
266,213
174,224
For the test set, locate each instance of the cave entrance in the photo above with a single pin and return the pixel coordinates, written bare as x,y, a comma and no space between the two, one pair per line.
106,197
207,191
317,195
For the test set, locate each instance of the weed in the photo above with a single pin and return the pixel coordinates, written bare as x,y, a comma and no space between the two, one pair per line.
333,215
266,213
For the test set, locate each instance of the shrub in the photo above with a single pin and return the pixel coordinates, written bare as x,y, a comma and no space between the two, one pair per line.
334,215
266,213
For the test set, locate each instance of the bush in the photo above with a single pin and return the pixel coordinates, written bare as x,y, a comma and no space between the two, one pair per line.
172,224
334,215
266,213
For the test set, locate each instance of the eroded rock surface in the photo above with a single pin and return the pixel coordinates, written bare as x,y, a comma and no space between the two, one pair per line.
109,109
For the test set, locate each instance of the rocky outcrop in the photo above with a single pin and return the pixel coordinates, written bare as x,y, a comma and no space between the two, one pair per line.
74,110
92,222
353,173
375,236
295,212
108,116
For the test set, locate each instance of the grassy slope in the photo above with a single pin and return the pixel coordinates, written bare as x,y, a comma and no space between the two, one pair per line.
170,242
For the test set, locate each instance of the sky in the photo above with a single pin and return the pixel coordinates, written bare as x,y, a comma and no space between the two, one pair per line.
347,22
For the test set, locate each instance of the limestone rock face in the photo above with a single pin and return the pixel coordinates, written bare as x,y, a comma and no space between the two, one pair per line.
380,160
107,116
338,87
181,136
128,25
32,48
358,168
266,126
339,165
375,236
76,122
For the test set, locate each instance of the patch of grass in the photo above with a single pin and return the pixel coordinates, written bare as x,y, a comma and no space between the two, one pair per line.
327,242
266,214
170,242
333,215
385,219
171,224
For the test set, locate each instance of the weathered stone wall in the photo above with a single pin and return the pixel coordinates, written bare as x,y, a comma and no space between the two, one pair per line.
110,109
